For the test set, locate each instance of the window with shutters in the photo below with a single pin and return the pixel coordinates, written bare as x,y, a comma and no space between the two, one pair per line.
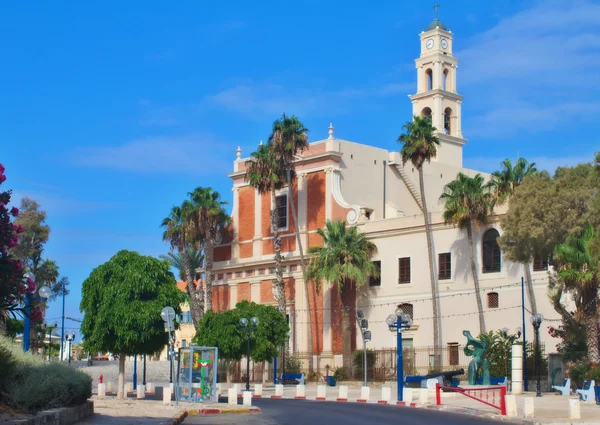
540,263
453,353
404,270
444,266
493,300
491,252
376,280
281,206
407,308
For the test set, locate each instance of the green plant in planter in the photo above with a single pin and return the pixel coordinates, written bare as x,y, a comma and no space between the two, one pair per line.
594,374
341,374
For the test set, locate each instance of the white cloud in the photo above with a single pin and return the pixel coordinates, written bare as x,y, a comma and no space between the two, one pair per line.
159,155
56,203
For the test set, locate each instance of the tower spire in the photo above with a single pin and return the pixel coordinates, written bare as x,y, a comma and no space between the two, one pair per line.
436,6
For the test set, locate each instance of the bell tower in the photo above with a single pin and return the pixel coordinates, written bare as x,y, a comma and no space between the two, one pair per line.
436,95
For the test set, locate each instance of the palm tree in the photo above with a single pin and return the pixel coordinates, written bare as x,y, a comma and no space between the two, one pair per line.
343,260
419,145
503,185
266,175
467,203
208,218
578,267
180,236
288,139
195,261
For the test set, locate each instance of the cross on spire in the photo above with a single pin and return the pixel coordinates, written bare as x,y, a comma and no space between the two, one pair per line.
436,6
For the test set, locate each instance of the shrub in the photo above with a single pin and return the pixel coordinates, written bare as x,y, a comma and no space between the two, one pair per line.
341,374
358,363
578,371
293,365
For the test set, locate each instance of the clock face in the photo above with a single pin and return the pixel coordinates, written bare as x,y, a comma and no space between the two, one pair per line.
429,43
444,43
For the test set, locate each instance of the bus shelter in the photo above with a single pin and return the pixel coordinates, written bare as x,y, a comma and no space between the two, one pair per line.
197,374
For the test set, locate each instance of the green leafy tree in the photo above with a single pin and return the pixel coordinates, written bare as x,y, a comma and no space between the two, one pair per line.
14,327
121,301
35,234
48,274
289,137
343,260
267,175
503,184
208,217
467,203
419,146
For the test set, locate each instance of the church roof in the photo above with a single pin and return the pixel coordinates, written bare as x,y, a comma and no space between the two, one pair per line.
435,23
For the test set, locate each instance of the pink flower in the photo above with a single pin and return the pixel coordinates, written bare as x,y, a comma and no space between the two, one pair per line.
14,211
2,178
36,315
30,286
19,229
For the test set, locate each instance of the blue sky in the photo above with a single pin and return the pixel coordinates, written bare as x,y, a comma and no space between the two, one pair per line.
113,111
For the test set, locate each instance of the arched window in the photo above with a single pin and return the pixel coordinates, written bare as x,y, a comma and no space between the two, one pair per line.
445,79
407,308
447,120
493,300
491,252
426,113
429,74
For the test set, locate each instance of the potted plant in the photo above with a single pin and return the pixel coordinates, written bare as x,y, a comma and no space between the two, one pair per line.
594,374
330,379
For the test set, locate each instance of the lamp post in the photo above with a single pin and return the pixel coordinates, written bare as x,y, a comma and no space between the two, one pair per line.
44,292
536,321
168,316
363,324
399,321
51,328
70,339
250,327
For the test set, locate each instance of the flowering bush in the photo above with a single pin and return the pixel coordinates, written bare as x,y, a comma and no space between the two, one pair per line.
579,371
12,287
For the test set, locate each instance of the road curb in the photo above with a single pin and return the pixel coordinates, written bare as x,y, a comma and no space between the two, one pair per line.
178,418
220,411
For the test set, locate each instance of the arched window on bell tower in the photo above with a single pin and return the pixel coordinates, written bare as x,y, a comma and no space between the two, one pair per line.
426,113
429,75
448,121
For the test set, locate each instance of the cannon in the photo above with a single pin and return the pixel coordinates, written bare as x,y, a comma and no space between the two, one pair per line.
446,376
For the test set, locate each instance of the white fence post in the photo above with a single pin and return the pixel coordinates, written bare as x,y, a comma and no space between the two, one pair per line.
517,369
511,405
574,409
247,398
386,394
528,410
321,392
101,390
365,393
232,396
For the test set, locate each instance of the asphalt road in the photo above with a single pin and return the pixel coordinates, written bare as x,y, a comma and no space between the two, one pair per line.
296,412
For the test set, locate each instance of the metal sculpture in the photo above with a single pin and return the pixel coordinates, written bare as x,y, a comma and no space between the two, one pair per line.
478,350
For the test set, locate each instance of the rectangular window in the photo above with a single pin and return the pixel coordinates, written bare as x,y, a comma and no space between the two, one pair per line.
540,264
293,268
453,353
444,266
261,271
376,280
404,270
281,207
271,270
238,274
229,274
220,276
249,272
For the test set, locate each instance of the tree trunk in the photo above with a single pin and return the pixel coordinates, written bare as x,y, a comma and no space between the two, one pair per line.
346,328
530,292
475,278
196,301
303,265
591,323
279,284
2,326
228,371
437,324
121,384
209,249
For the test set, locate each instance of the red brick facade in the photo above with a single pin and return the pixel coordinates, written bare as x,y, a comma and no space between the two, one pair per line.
220,298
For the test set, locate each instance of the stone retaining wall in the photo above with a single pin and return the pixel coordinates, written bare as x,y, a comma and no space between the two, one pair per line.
62,416
156,371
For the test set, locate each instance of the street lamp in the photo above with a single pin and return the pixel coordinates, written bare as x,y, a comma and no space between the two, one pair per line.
51,328
399,321
536,321
44,293
363,324
70,339
168,316
250,327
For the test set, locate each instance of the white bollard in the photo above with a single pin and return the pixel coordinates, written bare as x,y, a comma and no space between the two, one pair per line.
172,387
423,395
232,396
101,390
528,407
408,395
247,398
279,390
129,387
511,405
386,394
300,391
258,390
166,395
343,395
574,409
150,388
365,393
109,387
321,392
238,388
141,391
517,369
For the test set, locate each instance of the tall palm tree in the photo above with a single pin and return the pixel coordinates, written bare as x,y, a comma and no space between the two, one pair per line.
467,203
180,236
579,268
343,260
207,219
419,145
195,261
289,137
266,175
503,185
